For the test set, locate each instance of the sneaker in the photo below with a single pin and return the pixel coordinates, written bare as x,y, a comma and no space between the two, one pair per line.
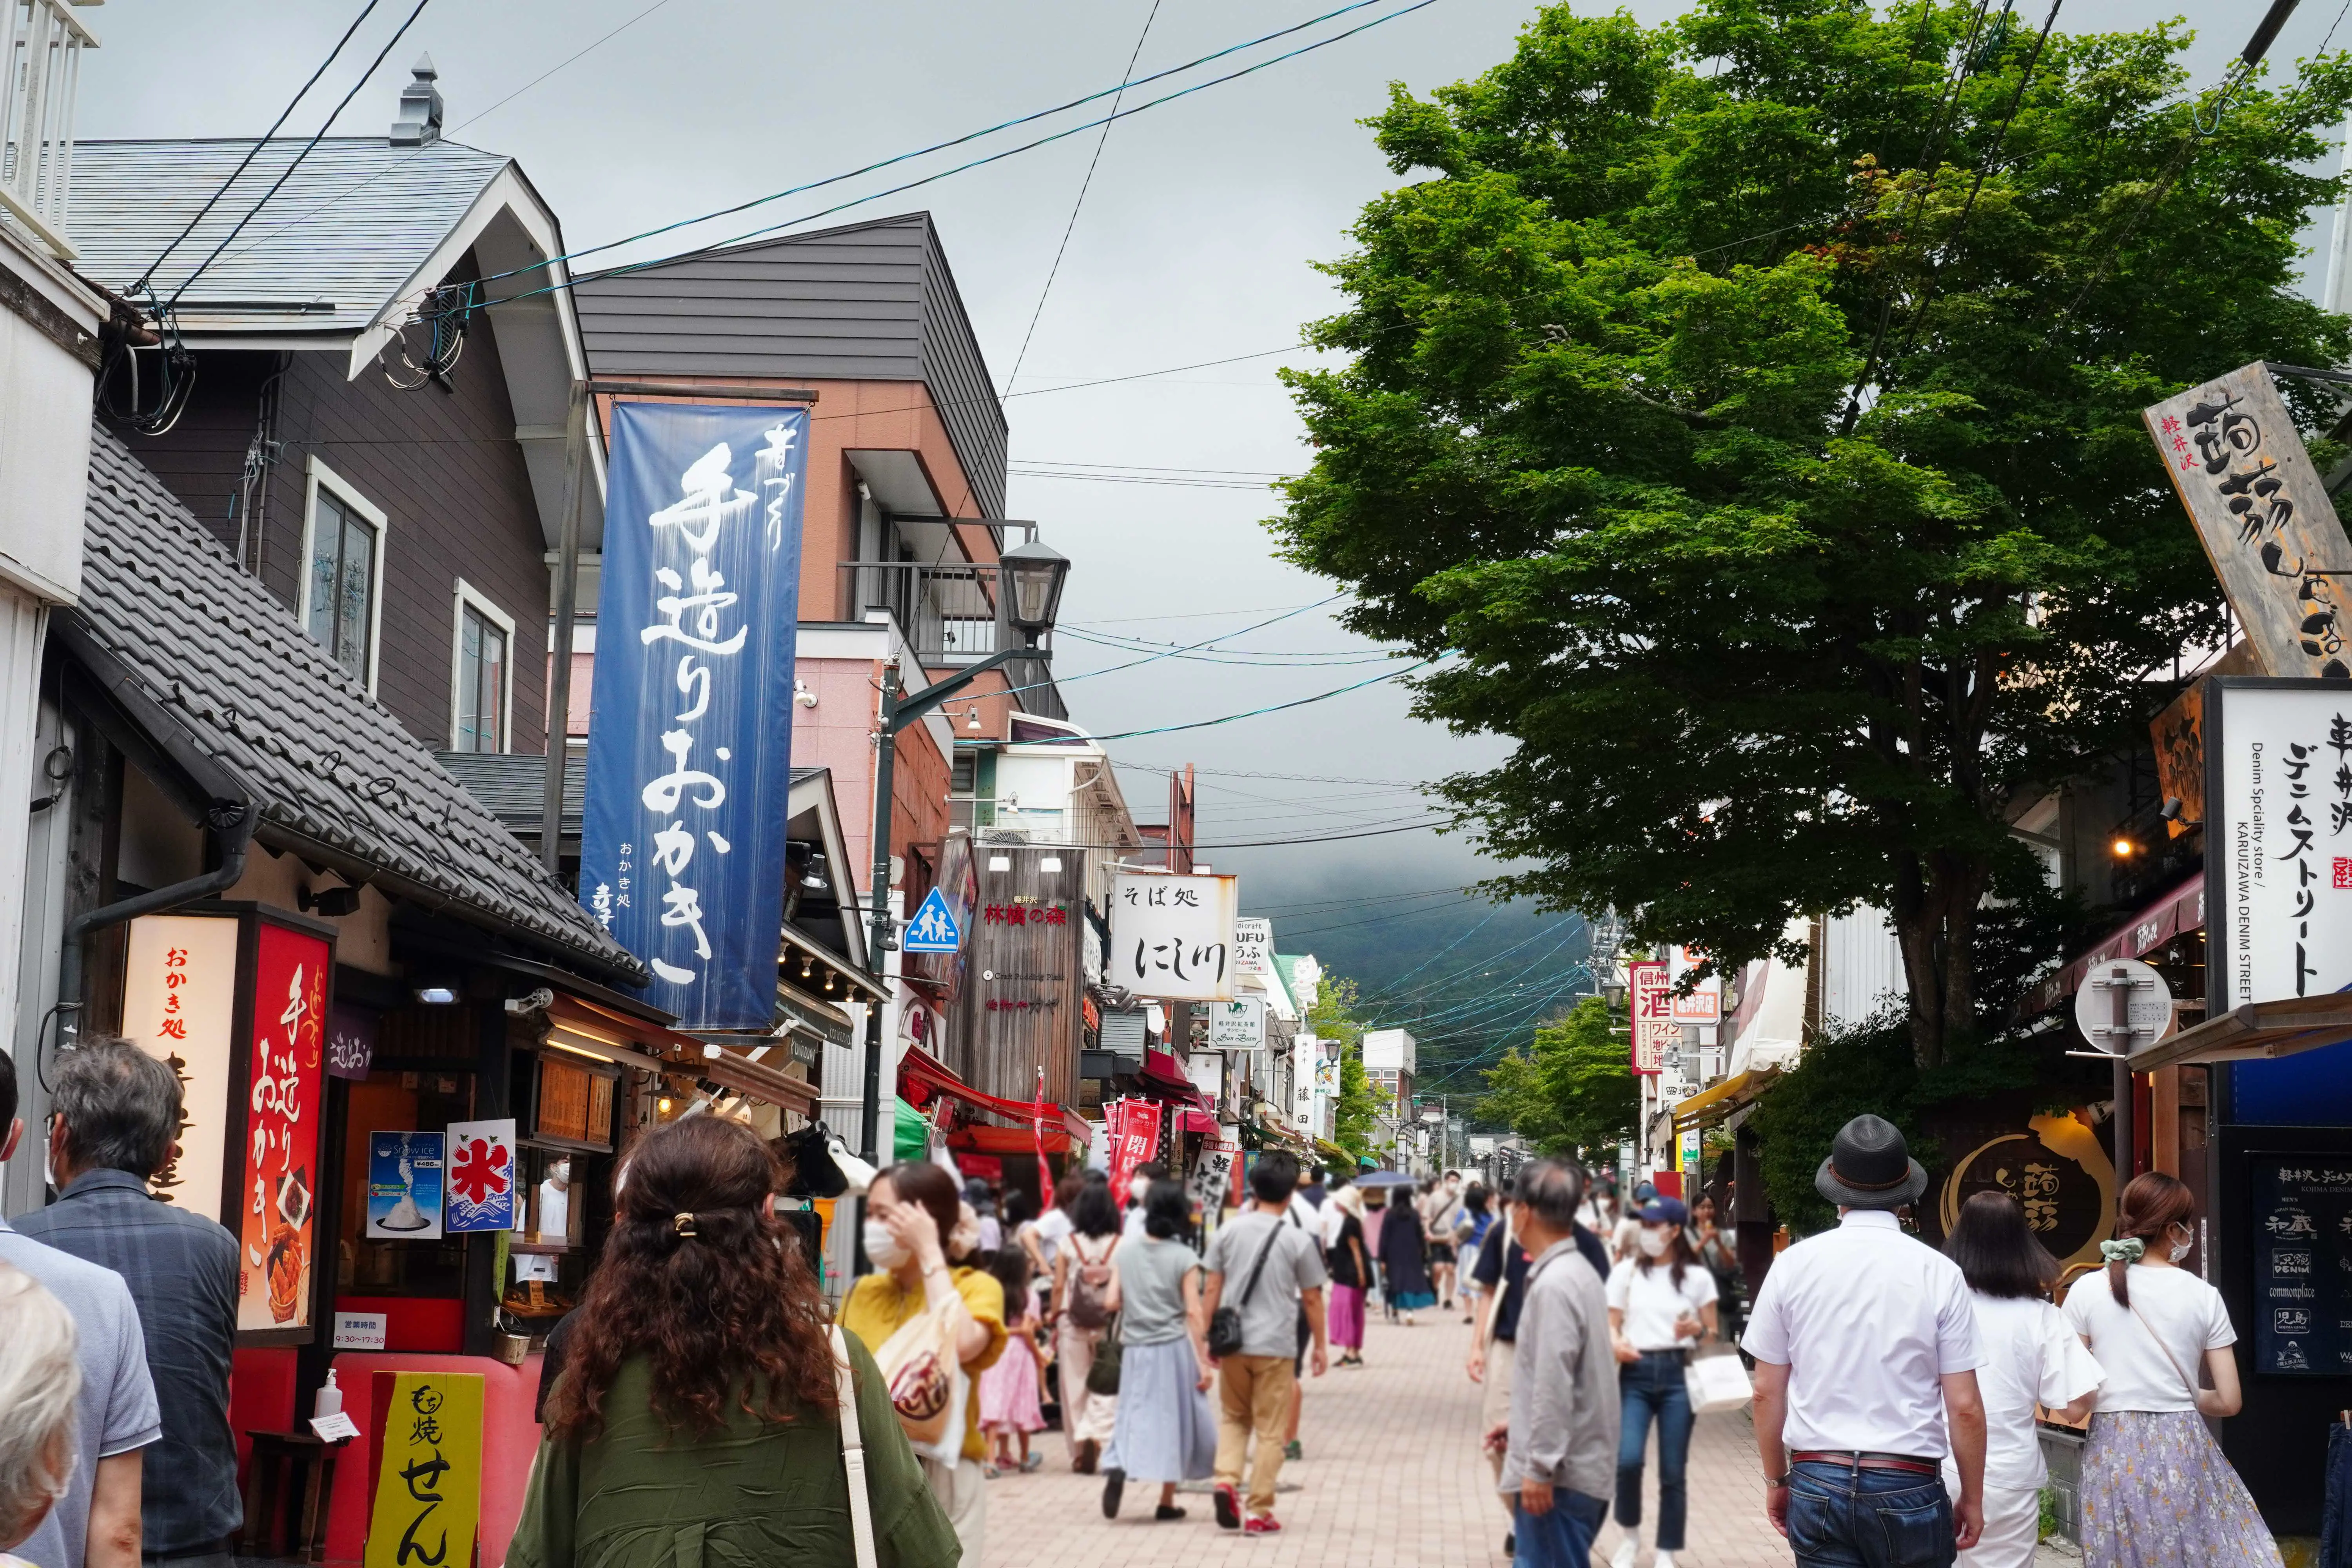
1627,1549
1229,1509
1666,1559
1169,1511
1113,1487
1290,1451
1261,1524
1032,1464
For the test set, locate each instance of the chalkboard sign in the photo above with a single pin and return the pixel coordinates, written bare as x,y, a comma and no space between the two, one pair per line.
2303,1264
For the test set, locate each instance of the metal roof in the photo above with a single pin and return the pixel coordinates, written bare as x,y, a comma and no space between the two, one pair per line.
337,779
351,225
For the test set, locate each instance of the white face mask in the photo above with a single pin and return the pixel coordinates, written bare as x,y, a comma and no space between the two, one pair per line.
2180,1249
1654,1242
1137,1188
882,1246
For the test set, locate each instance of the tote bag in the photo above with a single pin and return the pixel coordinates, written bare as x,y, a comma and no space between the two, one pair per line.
928,1387
1716,1382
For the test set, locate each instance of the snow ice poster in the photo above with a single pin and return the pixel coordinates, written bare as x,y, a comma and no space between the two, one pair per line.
403,1197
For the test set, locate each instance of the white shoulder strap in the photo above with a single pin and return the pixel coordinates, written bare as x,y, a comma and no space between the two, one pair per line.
853,1455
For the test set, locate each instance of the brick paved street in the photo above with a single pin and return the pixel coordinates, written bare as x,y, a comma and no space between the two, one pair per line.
1393,1479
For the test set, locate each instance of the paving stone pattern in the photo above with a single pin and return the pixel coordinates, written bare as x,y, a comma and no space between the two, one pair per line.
1393,1479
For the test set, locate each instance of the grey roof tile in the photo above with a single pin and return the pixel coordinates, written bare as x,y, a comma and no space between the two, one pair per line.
327,763
358,216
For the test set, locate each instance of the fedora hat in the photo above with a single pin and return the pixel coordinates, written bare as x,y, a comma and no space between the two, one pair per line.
1870,1167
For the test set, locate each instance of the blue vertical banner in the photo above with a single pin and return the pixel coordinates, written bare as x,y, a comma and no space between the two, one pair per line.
690,735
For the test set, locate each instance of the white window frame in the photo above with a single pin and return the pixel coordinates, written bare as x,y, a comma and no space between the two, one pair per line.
319,476
470,598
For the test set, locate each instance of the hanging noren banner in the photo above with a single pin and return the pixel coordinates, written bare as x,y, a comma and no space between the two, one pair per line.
689,739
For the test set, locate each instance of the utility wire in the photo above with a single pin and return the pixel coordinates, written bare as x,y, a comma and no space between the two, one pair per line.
1084,186
1270,708
246,161
296,162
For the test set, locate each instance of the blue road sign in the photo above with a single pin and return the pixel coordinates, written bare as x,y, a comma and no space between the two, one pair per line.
933,929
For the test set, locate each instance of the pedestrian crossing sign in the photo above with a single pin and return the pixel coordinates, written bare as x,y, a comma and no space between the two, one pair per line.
933,929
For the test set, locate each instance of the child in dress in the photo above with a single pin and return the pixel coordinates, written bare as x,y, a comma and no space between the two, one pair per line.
1009,1403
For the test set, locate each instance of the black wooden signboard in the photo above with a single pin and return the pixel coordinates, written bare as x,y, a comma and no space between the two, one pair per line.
2302,1238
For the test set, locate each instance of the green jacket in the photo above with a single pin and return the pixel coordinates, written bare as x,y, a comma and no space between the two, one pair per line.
755,1495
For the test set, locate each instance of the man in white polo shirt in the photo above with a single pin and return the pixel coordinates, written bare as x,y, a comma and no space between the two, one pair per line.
1865,1375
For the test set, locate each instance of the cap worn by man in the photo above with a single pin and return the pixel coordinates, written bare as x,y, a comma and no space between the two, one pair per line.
1866,1352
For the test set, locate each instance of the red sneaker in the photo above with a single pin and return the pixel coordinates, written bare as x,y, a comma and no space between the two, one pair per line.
1261,1524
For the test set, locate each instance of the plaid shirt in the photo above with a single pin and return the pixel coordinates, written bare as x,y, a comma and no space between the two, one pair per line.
182,1274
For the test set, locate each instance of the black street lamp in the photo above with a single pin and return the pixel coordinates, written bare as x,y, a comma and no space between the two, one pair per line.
1029,590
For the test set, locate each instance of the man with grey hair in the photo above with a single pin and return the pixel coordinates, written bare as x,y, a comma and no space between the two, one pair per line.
117,1120
96,1522
1561,1458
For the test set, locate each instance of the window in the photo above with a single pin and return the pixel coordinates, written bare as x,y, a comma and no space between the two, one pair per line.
341,591
482,677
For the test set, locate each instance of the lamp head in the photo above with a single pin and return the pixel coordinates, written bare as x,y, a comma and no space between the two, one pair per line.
1033,575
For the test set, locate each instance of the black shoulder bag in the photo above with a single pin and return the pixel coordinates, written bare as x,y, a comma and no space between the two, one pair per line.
1225,1322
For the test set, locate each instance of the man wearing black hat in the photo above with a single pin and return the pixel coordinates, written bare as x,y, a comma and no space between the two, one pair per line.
1865,1375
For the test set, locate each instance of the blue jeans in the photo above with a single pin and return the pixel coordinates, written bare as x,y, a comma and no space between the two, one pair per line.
2336,1521
1560,1538
1840,1518
1655,1386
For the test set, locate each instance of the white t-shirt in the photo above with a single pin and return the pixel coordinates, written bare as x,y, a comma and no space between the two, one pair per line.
1652,1304
2170,1302
1052,1231
2031,1356
1867,1322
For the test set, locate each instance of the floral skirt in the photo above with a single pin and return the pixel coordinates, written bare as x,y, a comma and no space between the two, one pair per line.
2156,1493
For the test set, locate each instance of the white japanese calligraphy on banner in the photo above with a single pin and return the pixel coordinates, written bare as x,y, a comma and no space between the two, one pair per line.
1171,937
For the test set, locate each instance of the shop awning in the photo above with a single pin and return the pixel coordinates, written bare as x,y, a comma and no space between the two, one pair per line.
594,1029
1192,1119
920,1066
2181,910
2254,1032
1710,1106
981,1139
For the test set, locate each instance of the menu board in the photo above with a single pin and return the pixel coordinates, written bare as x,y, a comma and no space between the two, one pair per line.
2303,1264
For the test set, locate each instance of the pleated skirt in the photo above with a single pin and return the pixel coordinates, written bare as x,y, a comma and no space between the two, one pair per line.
1165,1430
2158,1493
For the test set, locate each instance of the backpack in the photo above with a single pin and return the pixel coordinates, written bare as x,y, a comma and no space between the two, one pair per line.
1090,1284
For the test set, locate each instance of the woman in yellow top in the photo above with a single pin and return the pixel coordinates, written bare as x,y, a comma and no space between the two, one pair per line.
911,1211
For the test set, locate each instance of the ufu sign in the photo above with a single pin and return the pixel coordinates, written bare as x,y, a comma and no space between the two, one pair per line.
690,738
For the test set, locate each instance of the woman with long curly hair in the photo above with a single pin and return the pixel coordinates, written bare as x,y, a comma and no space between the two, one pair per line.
699,1392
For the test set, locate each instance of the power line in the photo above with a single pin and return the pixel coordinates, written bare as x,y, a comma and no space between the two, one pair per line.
246,161
1083,186
1270,708
296,162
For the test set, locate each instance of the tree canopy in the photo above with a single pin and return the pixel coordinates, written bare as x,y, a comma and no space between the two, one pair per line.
1748,408
1334,1017
1571,1093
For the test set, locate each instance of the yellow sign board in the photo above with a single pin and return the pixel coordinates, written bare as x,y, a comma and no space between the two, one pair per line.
428,1493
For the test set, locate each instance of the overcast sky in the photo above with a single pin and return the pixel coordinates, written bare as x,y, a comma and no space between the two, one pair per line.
1197,241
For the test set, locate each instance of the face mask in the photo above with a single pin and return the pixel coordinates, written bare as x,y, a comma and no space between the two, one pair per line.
1654,1242
2181,1249
1137,1188
882,1246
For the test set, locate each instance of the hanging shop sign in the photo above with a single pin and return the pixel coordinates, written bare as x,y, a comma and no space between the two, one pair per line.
428,1491
1651,996
351,1041
1253,947
2278,839
1704,1005
2262,513
1171,937
1306,1054
404,1195
689,744
2054,1166
1134,1139
236,1002
1210,1173
481,1175
1238,1025
1390,1052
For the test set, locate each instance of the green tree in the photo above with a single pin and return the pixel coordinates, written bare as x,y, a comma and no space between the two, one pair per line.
1334,1017
1749,408
1572,1092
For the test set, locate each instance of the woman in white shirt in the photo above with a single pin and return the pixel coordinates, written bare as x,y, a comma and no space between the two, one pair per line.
1661,1303
2030,1357
2157,1492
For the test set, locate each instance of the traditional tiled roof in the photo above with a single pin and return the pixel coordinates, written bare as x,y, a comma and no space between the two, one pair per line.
336,777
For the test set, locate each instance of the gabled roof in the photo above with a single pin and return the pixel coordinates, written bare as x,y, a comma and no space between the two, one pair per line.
350,228
338,781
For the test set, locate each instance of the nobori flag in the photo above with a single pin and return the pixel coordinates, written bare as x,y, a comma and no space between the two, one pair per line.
690,738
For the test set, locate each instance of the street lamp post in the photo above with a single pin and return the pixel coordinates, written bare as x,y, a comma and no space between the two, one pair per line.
1030,589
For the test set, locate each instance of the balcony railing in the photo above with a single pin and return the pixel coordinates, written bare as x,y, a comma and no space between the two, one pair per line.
45,43
952,614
